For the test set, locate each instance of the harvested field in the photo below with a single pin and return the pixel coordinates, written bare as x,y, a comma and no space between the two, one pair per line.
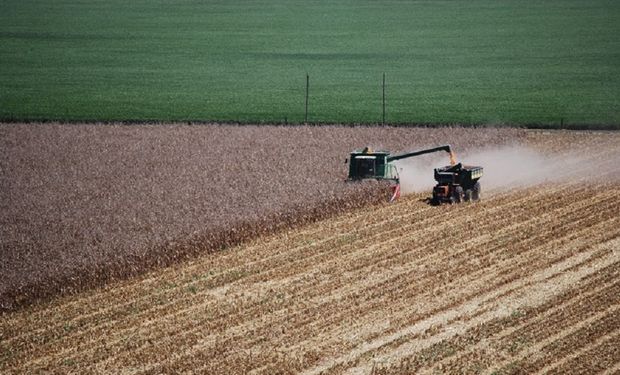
86,204
527,280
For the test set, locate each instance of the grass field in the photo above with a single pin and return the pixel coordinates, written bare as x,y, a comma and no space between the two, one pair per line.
481,61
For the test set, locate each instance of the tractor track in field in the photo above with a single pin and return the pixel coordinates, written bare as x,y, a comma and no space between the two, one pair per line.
455,313
525,281
572,306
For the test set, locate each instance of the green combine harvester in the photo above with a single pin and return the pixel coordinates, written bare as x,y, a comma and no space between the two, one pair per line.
455,183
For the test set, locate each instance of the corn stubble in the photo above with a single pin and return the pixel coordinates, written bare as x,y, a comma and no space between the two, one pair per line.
86,204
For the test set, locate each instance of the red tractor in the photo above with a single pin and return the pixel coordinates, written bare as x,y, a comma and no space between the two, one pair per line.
456,183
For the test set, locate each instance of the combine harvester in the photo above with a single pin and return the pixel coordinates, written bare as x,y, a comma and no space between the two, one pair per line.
455,183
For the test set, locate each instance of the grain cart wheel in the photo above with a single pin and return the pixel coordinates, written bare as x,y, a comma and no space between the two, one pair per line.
468,195
458,194
476,192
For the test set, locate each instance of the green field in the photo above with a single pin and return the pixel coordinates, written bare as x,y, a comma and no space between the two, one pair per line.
472,62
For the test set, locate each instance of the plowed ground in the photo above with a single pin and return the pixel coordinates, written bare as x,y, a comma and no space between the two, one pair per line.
524,281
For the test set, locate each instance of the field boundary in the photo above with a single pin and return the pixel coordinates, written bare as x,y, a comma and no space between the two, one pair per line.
211,122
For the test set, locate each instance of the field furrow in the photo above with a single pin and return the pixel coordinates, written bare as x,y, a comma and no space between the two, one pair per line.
569,309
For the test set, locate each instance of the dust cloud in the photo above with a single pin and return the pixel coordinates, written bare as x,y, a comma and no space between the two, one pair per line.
520,166
416,174
509,167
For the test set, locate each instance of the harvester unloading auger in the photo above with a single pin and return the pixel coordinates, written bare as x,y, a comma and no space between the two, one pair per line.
455,182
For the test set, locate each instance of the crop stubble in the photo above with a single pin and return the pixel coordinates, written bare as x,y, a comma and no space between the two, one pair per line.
523,281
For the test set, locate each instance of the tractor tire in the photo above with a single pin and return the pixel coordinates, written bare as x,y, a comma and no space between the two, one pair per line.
468,195
476,190
457,195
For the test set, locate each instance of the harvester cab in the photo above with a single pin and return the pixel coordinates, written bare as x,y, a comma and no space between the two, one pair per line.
379,165
366,164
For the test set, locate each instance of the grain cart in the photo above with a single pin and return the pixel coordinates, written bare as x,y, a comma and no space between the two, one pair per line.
379,165
456,183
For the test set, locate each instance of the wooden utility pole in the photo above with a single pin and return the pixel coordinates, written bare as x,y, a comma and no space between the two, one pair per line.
383,122
307,91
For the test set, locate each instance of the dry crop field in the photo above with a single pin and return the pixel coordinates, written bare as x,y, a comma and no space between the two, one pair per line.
86,204
527,280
